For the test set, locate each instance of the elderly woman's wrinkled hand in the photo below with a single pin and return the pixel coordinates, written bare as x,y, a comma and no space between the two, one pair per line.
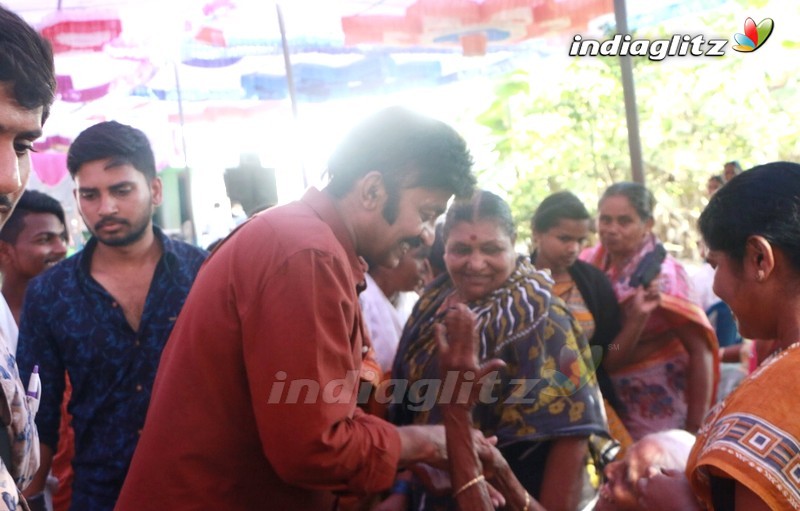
492,459
458,340
458,344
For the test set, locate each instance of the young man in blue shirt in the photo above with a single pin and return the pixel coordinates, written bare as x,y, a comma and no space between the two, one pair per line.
104,314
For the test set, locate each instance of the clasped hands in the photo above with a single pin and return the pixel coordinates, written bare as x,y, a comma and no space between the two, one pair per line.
458,346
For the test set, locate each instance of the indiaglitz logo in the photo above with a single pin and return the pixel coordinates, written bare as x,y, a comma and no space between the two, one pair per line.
754,35
658,49
679,45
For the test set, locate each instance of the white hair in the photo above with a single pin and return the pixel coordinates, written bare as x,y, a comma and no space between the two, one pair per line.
675,446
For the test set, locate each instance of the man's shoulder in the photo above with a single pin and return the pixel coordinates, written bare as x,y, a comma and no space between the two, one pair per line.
289,229
61,279
187,251
63,271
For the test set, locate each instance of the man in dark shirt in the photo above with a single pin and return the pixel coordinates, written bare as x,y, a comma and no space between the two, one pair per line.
104,314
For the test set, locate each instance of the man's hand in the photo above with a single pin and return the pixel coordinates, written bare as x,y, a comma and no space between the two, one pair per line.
422,444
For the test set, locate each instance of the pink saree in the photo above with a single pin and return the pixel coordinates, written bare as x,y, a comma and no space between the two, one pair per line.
652,391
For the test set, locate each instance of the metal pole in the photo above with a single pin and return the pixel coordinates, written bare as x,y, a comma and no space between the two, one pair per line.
187,172
181,120
628,89
287,62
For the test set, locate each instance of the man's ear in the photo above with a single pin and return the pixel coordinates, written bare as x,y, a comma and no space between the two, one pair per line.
156,191
5,253
371,191
759,258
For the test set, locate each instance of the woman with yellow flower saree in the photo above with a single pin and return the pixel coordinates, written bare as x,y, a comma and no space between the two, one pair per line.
545,403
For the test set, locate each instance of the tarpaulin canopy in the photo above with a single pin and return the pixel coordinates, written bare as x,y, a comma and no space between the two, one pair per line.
338,48
228,58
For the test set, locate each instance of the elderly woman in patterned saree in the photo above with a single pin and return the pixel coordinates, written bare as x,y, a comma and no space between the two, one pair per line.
545,403
664,378
747,454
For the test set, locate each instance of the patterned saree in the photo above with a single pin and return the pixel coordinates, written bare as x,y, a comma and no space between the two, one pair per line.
548,389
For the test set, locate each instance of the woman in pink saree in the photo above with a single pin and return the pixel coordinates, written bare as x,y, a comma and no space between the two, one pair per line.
665,377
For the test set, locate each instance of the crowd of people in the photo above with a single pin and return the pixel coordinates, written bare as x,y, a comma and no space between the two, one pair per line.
348,351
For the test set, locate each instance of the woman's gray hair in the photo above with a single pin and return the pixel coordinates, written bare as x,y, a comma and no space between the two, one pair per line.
640,197
482,205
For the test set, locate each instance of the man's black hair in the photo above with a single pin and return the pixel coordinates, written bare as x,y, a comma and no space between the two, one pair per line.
409,150
31,201
124,144
26,63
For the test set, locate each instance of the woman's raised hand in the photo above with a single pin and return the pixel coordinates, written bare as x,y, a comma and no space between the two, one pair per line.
458,344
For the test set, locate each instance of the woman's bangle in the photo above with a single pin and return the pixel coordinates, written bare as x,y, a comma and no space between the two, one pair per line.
527,501
469,484
402,487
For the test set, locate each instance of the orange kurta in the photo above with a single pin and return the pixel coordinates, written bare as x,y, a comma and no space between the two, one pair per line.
275,305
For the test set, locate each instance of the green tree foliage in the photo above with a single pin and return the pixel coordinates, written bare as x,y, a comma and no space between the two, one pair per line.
567,130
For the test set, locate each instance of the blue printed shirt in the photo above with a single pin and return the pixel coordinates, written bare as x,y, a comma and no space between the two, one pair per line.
71,323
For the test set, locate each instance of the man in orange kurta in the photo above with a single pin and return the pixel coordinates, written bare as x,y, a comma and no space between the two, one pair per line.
254,405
